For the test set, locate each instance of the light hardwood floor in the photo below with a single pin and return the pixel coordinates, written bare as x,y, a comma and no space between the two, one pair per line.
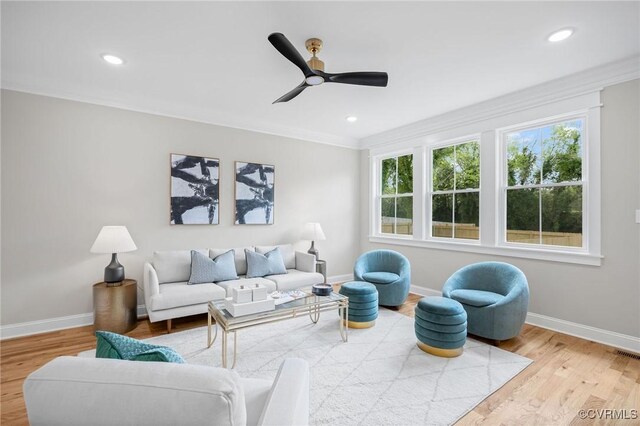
568,374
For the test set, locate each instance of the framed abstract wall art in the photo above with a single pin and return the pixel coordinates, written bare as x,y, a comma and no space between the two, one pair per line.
254,193
195,190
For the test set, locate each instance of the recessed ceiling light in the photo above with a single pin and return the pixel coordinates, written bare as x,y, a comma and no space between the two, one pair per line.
560,35
113,60
352,118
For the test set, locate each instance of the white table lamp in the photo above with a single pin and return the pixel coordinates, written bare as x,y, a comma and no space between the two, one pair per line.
313,231
114,240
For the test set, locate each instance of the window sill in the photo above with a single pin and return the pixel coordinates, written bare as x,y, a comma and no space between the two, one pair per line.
474,247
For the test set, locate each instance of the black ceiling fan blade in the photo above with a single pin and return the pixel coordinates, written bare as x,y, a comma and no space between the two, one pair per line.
293,93
284,46
364,78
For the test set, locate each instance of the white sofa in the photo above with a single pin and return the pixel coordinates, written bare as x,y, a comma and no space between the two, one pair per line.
167,294
97,391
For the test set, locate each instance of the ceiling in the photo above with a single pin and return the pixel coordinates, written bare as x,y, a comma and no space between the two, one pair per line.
211,61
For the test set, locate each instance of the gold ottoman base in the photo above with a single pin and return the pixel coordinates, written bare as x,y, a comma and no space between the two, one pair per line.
445,353
353,324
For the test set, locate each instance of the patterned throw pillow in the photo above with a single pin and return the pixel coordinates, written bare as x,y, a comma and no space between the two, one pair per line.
206,270
117,346
260,265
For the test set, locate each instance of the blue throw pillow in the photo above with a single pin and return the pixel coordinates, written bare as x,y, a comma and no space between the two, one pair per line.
260,265
206,270
117,346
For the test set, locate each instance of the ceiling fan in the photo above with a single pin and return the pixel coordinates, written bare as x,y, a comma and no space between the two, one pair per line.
313,69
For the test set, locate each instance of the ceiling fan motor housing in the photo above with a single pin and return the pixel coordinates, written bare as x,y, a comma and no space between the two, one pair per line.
315,64
314,45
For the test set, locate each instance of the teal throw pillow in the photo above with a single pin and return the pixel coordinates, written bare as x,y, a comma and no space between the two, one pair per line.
206,270
260,265
117,346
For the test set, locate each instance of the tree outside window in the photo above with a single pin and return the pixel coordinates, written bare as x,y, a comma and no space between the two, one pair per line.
455,196
544,187
396,198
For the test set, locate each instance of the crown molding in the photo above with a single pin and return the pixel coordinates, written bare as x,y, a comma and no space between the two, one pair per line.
552,91
184,112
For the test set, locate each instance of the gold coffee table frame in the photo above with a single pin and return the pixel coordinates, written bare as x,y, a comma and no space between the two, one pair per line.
311,305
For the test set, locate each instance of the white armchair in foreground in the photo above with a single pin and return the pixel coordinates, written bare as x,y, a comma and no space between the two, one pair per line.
98,391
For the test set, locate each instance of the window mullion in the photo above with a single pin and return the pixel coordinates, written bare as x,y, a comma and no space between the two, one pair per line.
395,203
453,197
540,214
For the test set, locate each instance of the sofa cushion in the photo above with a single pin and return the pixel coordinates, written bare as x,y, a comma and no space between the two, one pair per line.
381,277
260,265
117,346
287,252
247,282
296,279
239,257
207,270
477,298
173,265
173,295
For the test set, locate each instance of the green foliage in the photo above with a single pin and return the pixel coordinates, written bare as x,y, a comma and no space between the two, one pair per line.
443,168
456,167
522,165
388,176
561,156
405,174
562,160
397,179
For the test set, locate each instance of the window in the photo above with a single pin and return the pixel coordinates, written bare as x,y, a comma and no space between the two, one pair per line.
455,194
396,195
521,182
544,184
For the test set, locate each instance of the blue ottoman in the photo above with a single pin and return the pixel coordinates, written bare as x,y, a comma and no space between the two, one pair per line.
363,303
441,326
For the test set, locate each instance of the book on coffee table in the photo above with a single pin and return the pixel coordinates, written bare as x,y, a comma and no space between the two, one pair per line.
281,297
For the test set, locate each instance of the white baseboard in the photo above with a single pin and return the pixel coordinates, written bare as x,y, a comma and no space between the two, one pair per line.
610,338
43,326
53,324
339,278
423,291
142,311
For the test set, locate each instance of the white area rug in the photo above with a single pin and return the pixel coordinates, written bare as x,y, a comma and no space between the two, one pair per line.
379,377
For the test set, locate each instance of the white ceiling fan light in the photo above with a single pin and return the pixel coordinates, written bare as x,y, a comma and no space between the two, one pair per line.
560,35
112,59
351,118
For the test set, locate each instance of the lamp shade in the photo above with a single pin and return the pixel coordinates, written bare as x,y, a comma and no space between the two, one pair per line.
113,239
312,231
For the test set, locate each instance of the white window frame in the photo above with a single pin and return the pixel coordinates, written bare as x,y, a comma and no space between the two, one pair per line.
421,141
430,192
378,195
502,218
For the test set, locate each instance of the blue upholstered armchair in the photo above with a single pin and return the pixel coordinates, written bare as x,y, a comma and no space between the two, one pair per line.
495,296
389,271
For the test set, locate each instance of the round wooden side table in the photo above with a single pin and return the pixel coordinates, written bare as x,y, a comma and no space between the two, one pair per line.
114,307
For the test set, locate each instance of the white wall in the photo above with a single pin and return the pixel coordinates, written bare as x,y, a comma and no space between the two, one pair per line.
605,297
68,168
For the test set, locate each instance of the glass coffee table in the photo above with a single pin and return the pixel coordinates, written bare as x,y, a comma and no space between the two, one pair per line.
311,305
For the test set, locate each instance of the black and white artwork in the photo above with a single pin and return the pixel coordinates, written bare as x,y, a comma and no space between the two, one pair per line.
254,193
195,189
